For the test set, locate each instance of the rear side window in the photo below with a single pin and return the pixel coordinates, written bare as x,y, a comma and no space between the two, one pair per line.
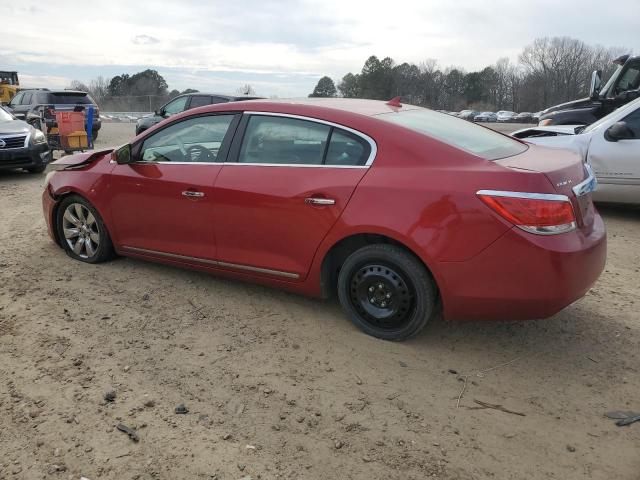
347,149
464,135
70,98
282,140
199,101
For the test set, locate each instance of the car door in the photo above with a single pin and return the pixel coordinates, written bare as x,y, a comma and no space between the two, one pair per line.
617,163
161,203
287,181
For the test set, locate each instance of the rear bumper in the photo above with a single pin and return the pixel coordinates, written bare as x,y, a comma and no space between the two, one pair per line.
523,276
33,156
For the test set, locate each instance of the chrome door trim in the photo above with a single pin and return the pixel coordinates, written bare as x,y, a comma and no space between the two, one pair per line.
364,136
214,263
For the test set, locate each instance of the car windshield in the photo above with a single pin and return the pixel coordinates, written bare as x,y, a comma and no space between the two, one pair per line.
474,139
4,116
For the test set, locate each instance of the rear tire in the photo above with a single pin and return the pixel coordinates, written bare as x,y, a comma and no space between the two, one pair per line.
38,169
387,292
82,232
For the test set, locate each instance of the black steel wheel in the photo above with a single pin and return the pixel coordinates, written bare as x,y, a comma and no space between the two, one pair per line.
386,291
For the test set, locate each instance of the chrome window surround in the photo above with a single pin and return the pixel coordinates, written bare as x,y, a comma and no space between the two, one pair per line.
367,138
214,263
26,136
547,230
588,185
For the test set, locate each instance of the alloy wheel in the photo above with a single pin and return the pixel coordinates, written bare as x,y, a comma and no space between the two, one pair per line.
81,230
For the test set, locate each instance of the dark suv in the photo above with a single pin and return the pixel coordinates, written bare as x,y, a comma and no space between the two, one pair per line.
186,102
26,105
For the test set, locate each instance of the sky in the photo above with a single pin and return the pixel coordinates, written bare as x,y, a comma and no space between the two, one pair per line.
283,47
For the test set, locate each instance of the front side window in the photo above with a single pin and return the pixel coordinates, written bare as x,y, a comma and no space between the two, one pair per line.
200,101
458,133
196,139
26,99
633,122
176,106
630,79
282,140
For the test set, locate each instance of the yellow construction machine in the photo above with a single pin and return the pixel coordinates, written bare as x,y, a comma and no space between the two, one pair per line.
9,86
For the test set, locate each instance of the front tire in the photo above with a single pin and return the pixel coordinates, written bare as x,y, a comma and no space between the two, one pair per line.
38,169
387,292
82,232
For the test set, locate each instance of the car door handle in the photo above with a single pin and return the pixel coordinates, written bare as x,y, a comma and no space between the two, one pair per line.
192,194
319,201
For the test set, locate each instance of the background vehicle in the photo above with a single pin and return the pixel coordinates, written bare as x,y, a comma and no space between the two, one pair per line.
21,145
523,117
621,88
611,146
183,103
485,117
468,115
504,116
28,105
319,196
9,84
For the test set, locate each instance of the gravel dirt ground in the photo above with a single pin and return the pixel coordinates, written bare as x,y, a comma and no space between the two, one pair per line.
281,386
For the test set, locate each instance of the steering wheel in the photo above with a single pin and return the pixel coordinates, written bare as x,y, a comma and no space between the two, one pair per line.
198,153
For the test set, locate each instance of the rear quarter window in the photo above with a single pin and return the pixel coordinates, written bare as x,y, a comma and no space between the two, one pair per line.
477,140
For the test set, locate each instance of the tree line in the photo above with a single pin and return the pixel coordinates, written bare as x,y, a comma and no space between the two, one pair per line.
140,92
549,71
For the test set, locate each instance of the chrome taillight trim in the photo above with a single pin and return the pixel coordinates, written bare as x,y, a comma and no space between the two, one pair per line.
588,185
534,196
550,230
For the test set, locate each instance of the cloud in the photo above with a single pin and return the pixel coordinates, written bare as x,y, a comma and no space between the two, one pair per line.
145,40
292,43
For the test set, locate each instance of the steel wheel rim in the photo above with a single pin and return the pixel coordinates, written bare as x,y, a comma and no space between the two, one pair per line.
382,296
80,230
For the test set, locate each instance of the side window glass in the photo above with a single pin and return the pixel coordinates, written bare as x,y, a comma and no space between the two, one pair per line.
630,80
193,140
633,122
345,148
176,106
199,101
218,100
16,100
283,140
26,99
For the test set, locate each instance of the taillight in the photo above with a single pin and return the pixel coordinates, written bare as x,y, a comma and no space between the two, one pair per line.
540,213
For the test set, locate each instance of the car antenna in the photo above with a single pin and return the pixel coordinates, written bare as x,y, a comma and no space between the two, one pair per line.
395,102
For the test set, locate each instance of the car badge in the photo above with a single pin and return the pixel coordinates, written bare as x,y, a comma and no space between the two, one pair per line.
2,143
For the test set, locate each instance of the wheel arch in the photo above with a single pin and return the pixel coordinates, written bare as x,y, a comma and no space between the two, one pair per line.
59,197
335,256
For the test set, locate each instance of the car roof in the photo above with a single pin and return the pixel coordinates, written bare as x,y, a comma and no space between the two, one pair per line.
220,95
335,105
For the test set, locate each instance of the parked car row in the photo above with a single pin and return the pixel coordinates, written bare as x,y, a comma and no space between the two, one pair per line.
503,116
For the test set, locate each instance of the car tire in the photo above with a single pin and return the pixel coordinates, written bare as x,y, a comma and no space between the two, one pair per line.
387,292
82,232
38,169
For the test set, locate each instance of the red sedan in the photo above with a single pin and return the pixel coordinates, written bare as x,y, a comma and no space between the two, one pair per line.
400,210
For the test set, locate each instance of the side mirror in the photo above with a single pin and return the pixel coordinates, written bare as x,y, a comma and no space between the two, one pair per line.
123,155
594,87
618,131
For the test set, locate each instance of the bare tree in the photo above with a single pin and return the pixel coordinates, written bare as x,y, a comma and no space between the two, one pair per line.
246,89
